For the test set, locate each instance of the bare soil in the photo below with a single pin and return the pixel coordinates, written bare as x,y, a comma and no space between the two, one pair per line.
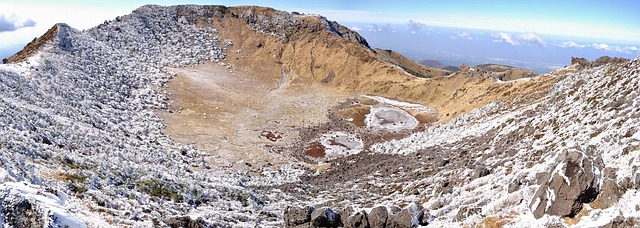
237,118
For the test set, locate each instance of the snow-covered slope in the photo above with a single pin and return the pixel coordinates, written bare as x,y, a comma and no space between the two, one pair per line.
78,117
593,111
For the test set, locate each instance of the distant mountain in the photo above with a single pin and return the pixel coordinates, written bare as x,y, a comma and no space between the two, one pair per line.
416,69
505,73
451,68
433,63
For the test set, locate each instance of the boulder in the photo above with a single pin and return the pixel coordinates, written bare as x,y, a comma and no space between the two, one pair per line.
185,221
403,219
582,62
609,193
410,216
23,214
378,216
325,217
465,212
294,216
571,183
358,220
481,172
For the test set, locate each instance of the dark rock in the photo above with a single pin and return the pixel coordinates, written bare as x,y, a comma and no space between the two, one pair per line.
464,212
294,216
425,219
403,219
22,214
347,211
378,216
610,193
185,221
582,62
358,220
394,209
408,217
481,172
325,217
620,222
571,184
514,186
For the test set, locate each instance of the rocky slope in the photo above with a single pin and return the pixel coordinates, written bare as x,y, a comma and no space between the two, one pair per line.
416,69
82,142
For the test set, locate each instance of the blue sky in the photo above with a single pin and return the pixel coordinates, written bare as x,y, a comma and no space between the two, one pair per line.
612,25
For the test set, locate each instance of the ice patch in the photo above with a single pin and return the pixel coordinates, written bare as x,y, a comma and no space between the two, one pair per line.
339,144
390,118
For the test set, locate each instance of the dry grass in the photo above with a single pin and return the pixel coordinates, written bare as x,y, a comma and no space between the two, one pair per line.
32,47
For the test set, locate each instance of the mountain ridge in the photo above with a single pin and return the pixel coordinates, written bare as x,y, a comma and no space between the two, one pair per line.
83,144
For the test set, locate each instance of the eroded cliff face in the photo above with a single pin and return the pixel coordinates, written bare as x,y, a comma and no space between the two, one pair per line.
312,49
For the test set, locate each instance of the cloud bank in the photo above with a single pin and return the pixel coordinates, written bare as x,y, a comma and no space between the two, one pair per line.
600,46
528,38
13,22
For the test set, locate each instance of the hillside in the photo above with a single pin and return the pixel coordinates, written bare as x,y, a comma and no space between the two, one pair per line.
505,73
433,63
213,116
413,68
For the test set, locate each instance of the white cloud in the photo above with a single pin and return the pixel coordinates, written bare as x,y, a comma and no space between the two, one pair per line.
506,38
13,22
356,28
606,47
528,38
570,44
463,35
380,28
531,39
414,27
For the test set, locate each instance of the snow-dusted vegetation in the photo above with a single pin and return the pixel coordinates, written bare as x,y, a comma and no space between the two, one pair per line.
593,112
78,118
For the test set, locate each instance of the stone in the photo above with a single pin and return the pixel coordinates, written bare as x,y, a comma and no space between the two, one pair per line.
425,219
325,217
378,216
22,214
294,216
609,194
185,221
481,172
571,184
403,219
464,212
358,220
581,62
514,185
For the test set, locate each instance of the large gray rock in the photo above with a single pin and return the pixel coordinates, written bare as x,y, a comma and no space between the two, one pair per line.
378,216
572,182
295,216
359,219
325,217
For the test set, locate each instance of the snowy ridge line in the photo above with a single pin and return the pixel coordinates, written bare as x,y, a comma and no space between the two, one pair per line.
603,98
